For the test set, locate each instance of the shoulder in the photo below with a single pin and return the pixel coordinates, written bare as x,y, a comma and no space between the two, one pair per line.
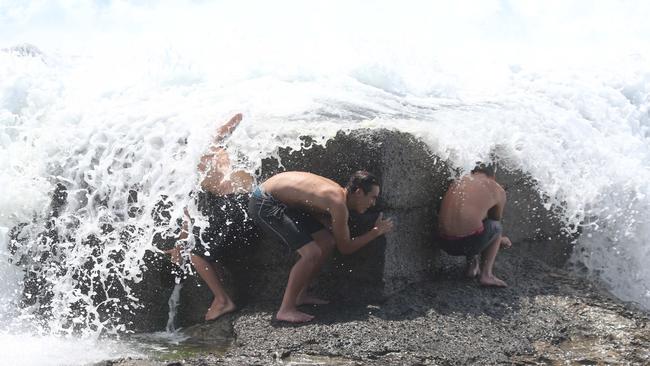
498,189
334,193
334,201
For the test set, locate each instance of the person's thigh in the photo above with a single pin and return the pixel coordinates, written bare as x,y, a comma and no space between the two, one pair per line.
286,229
492,231
324,239
310,251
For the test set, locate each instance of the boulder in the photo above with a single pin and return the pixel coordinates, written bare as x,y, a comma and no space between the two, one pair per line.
413,182
411,177
539,231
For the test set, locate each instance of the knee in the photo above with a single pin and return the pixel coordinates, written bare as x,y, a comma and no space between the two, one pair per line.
311,252
494,226
326,243
328,246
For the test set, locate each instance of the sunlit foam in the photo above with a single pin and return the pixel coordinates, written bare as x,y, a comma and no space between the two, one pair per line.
132,109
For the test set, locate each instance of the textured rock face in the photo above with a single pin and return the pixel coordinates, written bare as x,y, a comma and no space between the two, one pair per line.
528,223
413,182
409,175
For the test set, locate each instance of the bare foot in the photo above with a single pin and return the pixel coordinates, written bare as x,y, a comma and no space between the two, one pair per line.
293,316
505,242
310,300
236,118
473,268
491,281
227,128
219,308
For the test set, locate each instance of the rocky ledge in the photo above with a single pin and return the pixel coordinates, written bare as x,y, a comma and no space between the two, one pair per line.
546,316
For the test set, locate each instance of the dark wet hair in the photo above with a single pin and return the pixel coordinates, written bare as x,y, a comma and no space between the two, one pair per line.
362,179
487,169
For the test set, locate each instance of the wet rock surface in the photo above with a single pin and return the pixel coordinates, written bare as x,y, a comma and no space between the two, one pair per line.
413,181
546,316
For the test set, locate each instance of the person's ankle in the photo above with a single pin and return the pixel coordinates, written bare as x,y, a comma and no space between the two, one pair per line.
221,301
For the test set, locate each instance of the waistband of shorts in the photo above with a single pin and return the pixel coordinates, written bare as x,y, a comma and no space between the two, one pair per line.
454,237
259,192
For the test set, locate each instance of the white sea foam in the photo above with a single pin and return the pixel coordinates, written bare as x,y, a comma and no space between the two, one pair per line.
30,350
118,96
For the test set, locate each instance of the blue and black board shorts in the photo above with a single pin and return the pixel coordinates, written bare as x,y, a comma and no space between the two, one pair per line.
291,225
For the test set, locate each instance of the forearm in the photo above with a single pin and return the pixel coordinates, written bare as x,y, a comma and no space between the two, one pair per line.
360,241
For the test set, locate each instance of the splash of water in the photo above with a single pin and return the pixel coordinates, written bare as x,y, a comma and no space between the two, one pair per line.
120,122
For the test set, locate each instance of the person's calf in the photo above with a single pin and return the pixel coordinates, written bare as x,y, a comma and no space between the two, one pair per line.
307,299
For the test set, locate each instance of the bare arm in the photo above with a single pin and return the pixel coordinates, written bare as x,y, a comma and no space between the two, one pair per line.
341,231
496,212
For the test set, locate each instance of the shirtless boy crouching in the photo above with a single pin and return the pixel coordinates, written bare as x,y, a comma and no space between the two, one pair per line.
469,222
297,208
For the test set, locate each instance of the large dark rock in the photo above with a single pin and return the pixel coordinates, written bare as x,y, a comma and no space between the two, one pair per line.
413,182
547,316
410,177
528,222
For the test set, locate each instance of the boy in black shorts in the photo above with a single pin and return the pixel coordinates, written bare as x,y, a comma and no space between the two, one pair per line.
298,208
469,222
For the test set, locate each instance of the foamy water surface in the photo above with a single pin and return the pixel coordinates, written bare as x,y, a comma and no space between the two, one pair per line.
130,99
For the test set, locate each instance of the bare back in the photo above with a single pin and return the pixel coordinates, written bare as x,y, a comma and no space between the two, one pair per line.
468,202
308,191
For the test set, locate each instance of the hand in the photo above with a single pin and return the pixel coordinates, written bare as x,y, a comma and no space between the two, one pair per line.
505,242
175,255
383,226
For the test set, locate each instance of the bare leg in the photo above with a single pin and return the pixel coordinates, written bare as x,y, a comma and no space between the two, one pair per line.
488,256
227,128
473,269
325,242
222,303
310,255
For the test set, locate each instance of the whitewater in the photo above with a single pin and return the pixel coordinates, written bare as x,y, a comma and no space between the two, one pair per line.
116,99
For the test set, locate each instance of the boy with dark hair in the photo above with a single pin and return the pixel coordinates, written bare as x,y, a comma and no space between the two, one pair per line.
297,208
361,179
469,222
487,169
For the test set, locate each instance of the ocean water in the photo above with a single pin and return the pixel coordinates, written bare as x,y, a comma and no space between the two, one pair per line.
113,97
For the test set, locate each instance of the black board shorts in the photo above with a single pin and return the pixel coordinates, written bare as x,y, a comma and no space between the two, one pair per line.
291,225
472,245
